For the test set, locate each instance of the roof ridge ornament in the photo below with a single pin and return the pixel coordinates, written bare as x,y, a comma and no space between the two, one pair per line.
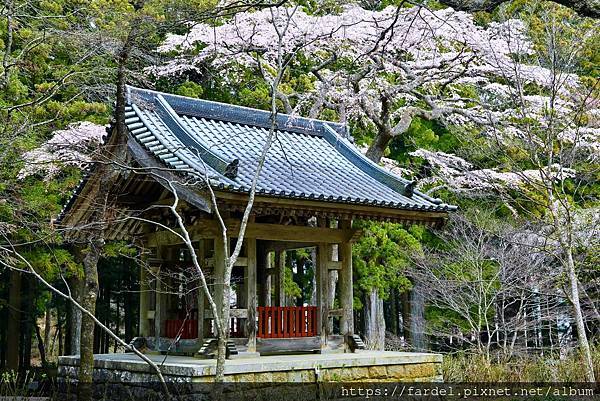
409,189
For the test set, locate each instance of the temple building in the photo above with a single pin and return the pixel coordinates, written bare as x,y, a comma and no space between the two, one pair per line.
312,186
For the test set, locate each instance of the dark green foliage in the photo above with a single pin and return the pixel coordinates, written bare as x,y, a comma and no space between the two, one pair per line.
382,255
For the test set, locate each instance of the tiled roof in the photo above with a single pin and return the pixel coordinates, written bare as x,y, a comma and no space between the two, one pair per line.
309,159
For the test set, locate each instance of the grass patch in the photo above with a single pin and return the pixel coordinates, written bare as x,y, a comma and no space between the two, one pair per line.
462,367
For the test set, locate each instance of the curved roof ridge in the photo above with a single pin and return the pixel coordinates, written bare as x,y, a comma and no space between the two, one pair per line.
212,158
237,114
351,153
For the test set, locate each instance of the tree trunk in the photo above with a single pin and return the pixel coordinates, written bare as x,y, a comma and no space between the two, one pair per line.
417,318
29,322
41,346
48,323
224,335
88,302
60,336
406,317
221,355
374,321
117,320
116,150
3,341
74,332
393,308
378,146
129,312
220,368
581,333
313,260
14,321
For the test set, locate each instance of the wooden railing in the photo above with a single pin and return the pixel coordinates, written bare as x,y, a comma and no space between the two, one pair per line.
189,328
273,322
287,321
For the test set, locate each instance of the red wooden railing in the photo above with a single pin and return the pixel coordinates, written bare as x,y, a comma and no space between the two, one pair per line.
287,321
189,328
273,322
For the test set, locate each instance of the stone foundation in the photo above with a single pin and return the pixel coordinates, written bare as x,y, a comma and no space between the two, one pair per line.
292,373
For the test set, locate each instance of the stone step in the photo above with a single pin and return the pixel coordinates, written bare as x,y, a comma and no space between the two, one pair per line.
209,348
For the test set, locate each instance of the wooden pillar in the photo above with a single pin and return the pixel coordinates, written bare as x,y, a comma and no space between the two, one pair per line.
334,255
323,292
263,280
345,283
159,301
158,311
280,287
268,279
314,261
261,276
250,290
144,302
219,273
201,254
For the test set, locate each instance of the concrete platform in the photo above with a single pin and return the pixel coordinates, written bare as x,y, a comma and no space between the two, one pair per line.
362,365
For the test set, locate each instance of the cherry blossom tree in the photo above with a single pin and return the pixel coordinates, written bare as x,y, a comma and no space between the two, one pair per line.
72,146
380,68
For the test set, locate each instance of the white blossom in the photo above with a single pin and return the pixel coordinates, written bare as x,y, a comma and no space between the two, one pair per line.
459,175
69,147
423,49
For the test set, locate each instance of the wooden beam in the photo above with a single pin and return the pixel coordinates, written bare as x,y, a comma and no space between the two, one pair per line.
239,313
278,232
261,231
162,237
241,261
348,209
298,233
272,245
336,312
